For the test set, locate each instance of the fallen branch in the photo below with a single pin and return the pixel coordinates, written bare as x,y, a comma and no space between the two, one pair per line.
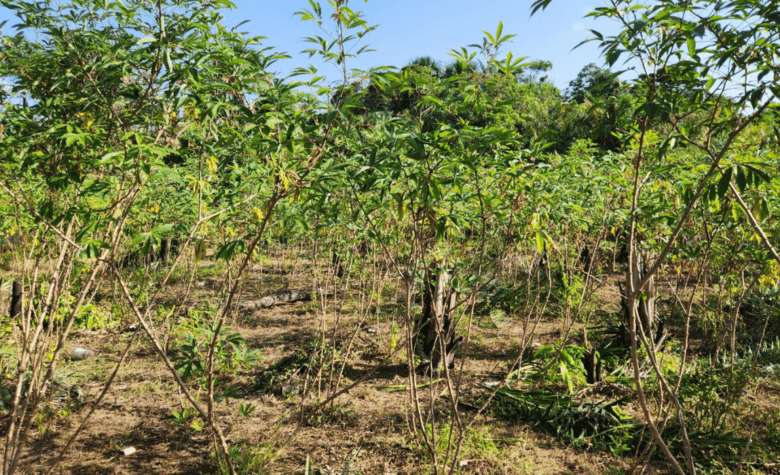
291,296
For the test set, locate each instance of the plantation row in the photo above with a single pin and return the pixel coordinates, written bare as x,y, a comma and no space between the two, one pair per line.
159,182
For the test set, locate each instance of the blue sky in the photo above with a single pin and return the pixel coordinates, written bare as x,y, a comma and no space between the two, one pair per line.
412,28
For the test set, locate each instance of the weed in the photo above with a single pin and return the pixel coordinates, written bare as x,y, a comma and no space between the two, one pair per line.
230,354
211,269
568,368
184,416
477,444
94,318
498,317
245,410
283,378
394,330
710,394
5,397
584,425
6,259
336,415
247,459
771,420
42,417
180,417
511,297
196,425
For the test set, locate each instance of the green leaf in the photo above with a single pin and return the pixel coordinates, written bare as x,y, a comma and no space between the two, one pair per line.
418,150
691,46
308,470
539,4
227,251
441,228
741,179
162,229
107,158
723,184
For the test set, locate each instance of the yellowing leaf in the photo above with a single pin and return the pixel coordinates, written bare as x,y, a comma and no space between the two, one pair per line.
212,164
258,215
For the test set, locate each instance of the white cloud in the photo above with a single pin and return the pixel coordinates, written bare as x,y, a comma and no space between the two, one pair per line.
578,27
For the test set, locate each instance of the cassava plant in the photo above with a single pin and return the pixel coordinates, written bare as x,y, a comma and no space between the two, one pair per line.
704,75
95,116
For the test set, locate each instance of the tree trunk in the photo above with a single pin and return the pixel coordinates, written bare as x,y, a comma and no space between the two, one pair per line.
338,268
585,259
436,324
291,296
16,299
165,248
592,364
645,302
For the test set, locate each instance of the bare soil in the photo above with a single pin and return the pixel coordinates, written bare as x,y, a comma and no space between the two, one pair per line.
366,431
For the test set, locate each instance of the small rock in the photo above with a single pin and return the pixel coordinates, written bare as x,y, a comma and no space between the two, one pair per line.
82,354
370,330
128,451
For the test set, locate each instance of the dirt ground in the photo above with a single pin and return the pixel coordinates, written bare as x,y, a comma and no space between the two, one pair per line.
366,431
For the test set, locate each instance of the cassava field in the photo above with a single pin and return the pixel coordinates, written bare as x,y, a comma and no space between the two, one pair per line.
443,268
